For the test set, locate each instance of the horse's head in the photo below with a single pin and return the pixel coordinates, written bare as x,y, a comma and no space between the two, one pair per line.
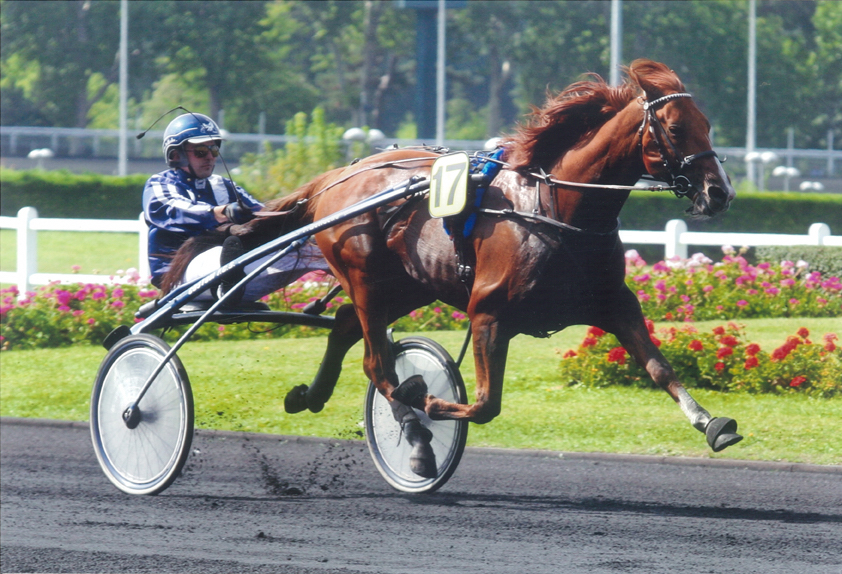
675,140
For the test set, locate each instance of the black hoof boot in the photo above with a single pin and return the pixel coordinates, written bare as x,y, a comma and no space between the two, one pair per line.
296,400
411,392
422,459
722,433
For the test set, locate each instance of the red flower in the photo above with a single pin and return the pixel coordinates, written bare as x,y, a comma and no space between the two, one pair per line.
829,347
589,342
751,362
729,340
719,330
569,354
796,382
650,326
752,349
596,332
657,341
695,345
617,355
724,352
668,316
719,367
803,332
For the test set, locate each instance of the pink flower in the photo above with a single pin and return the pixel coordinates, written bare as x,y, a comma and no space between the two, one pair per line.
118,304
437,310
707,288
794,301
742,303
117,293
773,290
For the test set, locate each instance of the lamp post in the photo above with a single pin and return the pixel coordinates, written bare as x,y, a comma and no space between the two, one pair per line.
763,158
786,173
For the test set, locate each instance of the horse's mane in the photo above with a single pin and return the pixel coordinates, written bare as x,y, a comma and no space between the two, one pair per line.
581,108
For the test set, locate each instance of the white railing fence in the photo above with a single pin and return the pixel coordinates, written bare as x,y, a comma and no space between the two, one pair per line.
27,224
675,238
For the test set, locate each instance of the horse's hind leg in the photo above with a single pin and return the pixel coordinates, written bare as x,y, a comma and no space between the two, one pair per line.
633,335
344,335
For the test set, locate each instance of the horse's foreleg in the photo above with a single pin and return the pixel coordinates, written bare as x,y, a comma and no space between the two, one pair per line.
634,337
344,335
491,346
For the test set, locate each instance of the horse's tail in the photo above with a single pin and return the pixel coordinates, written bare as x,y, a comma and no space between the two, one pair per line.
283,214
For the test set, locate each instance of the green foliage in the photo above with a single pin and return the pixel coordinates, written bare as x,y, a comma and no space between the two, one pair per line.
721,359
754,212
313,149
66,195
827,260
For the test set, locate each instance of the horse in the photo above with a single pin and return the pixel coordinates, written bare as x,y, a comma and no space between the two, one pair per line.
544,252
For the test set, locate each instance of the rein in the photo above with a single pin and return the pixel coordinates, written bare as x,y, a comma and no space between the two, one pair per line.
301,202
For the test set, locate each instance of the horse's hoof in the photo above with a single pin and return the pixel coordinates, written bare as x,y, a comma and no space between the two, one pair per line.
722,433
296,400
422,459
315,405
411,392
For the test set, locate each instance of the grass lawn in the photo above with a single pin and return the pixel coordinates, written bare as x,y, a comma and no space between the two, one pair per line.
59,251
241,386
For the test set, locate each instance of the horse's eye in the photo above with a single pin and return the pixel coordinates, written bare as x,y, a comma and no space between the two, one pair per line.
676,131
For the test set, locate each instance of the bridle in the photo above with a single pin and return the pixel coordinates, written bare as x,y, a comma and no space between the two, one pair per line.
677,182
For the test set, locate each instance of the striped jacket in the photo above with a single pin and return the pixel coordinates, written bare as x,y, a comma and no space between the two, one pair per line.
177,206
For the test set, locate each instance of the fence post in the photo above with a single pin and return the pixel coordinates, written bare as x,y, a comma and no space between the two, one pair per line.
143,248
817,233
27,248
672,243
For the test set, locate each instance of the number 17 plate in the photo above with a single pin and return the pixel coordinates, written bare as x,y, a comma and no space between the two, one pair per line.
449,185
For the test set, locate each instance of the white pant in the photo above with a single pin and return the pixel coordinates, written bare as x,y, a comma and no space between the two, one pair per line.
278,275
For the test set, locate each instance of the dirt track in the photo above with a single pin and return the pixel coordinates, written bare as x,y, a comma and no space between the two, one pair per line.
261,504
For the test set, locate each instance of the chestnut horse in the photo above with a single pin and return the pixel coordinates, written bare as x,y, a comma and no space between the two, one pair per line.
544,254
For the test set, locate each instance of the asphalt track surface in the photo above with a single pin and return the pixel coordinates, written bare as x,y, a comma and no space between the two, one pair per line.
261,503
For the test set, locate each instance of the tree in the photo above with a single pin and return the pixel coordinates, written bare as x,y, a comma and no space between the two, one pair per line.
66,45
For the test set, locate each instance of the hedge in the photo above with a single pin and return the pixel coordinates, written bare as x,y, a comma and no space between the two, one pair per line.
67,195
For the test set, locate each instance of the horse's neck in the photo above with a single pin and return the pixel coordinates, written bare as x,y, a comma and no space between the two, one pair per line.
611,156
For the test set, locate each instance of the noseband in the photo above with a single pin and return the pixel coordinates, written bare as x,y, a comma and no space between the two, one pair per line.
679,183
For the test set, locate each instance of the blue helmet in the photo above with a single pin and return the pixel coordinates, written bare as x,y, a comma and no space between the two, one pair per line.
193,128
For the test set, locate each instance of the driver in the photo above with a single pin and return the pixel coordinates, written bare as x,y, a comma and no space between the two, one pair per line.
188,199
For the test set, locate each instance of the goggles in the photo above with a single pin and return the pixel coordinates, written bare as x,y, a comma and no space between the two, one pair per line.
201,151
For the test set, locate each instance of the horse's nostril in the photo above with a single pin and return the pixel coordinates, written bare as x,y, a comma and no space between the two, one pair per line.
718,198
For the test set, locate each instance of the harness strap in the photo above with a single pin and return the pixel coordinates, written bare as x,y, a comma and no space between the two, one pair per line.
546,220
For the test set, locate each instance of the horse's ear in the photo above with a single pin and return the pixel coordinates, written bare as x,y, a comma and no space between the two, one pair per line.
654,78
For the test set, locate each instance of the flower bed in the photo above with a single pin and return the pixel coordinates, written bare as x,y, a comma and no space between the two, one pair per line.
698,289
60,315
721,359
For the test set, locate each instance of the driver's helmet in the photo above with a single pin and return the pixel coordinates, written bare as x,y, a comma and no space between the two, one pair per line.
193,128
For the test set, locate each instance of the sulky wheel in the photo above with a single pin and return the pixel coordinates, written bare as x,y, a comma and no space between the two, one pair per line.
390,451
145,456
